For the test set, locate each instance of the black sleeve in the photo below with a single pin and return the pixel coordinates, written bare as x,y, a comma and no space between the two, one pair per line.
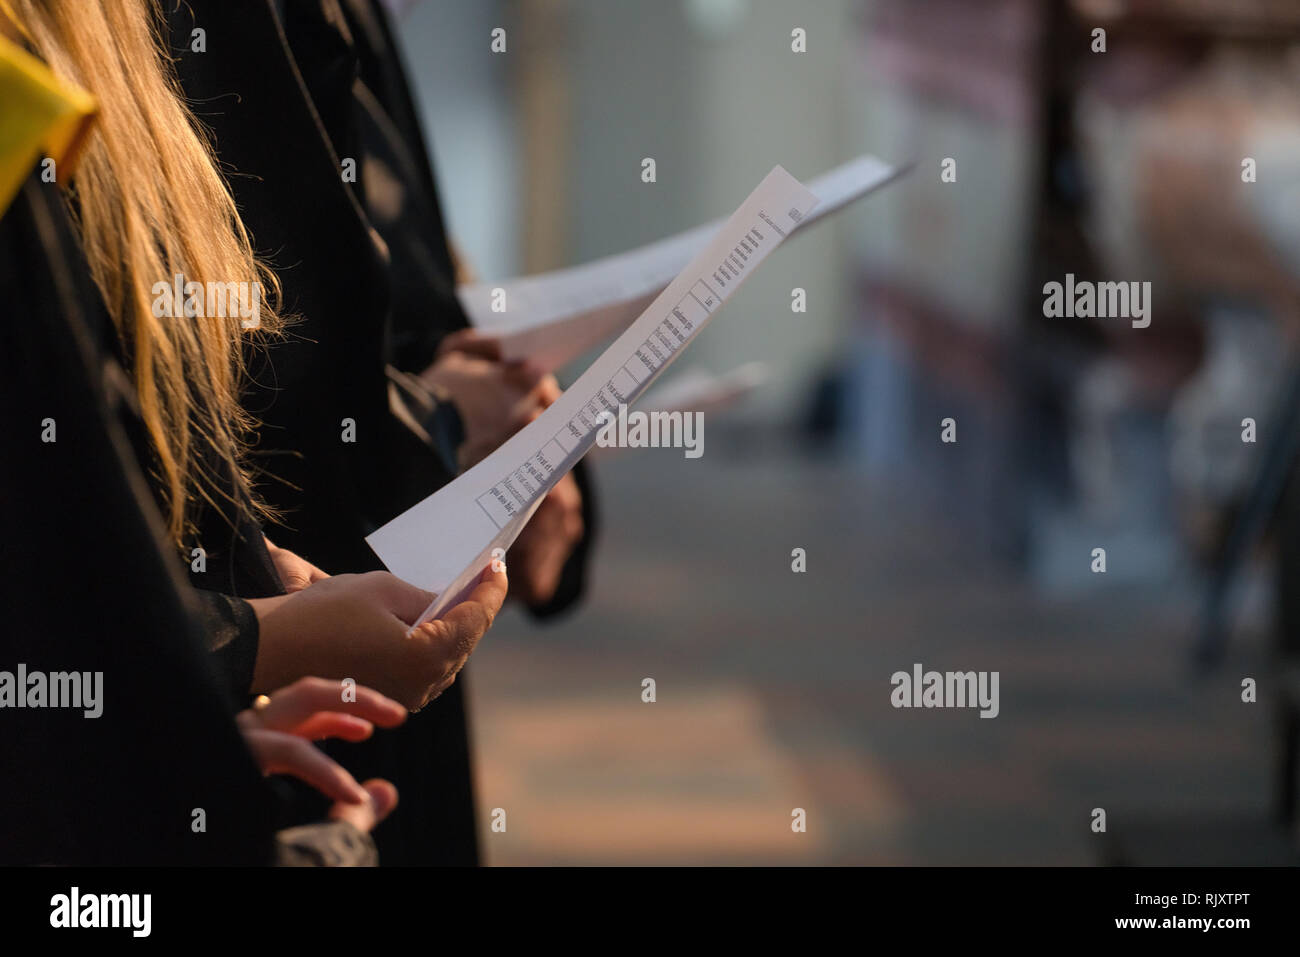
230,631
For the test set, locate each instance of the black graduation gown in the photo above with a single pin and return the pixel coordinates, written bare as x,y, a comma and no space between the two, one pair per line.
290,90
287,181
88,584
400,196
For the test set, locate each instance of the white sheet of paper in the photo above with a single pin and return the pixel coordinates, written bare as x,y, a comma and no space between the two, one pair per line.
555,317
696,391
699,391
444,543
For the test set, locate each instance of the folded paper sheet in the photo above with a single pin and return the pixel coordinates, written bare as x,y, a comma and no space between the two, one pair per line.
555,317
446,541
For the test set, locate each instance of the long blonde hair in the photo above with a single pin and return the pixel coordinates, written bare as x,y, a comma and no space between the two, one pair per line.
150,204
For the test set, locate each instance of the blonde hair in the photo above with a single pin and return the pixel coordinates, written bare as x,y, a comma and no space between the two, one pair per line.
151,204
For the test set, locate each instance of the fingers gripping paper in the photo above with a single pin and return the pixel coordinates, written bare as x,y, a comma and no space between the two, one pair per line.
445,542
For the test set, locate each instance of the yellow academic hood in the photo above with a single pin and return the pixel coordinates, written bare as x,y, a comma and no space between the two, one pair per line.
40,115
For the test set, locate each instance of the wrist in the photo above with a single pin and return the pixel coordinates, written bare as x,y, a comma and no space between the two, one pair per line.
272,666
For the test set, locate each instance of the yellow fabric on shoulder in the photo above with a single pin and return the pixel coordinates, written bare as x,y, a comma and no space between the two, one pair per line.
40,114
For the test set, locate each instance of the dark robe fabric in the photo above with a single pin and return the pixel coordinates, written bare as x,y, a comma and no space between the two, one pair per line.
88,584
400,196
290,89
399,193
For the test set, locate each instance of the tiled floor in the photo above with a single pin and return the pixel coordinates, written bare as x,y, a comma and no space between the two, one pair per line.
773,690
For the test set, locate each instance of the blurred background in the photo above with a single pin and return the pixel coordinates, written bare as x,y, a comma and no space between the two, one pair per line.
1121,691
